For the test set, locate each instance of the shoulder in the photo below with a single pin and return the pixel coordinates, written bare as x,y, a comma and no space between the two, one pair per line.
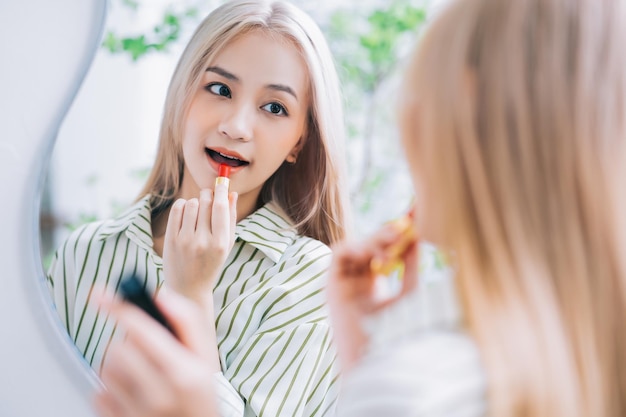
434,373
308,249
270,230
93,236
82,237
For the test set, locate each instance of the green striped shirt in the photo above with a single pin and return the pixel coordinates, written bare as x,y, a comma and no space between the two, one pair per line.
272,328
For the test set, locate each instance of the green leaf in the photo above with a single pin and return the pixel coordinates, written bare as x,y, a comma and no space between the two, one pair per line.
135,46
156,39
112,43
131,4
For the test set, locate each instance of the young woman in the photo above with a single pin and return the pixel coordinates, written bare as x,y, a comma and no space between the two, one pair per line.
255,89
514,126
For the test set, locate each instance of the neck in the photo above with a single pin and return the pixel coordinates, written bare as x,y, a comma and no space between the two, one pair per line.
246,205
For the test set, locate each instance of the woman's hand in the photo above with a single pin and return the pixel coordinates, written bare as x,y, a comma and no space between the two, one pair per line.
199,235
151,373
352,288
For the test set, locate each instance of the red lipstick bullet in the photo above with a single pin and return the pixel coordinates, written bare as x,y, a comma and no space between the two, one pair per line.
223,175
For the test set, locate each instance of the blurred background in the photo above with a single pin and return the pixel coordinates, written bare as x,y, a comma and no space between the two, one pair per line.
108,141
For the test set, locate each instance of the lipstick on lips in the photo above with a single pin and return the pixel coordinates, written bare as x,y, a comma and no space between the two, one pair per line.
223,175
393,262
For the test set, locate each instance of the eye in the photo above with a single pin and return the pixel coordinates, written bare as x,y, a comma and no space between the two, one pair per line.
218,89
276,109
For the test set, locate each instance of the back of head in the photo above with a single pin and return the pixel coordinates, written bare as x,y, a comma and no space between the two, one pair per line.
311,190
522,150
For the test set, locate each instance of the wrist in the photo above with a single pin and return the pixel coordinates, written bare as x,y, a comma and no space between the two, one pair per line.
350,337
203,298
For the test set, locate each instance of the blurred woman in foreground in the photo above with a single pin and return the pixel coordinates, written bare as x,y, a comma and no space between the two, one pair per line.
513,119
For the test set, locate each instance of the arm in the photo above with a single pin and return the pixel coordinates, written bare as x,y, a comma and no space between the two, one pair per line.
352,294
199,235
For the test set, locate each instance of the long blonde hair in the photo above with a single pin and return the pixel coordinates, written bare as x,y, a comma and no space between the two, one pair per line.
311,191
518,113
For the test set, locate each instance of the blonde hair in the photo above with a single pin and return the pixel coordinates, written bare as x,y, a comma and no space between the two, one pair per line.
521,147
311,190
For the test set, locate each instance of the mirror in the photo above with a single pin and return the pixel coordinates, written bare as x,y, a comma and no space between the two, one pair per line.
107,141
46,50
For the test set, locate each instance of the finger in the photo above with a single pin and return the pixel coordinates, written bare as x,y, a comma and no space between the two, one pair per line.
116,404
408,280
220,216
127,377
386,236
190,217
155,343
204,211
351,259
389,245
233,197
119,366
103,298
108,405
175,220
350,276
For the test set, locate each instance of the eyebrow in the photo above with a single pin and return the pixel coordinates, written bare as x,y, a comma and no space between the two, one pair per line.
223,73
233,77
282,87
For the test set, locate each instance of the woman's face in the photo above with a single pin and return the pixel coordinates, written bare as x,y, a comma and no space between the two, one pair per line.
249,112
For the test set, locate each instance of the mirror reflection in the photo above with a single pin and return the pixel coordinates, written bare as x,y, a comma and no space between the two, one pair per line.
107,143
132,146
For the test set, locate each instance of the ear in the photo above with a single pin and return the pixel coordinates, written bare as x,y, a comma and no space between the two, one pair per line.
293,155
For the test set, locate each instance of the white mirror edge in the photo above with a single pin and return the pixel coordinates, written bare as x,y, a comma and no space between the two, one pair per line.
46,51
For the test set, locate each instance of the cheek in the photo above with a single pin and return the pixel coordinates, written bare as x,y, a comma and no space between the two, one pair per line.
187,133
425,209
200,115
424,225
408,140
282,139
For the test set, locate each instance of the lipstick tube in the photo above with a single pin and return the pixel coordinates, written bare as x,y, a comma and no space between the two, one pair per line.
223,175
393,262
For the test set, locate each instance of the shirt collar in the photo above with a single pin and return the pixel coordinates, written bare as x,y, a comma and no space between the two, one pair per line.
268,229
135,222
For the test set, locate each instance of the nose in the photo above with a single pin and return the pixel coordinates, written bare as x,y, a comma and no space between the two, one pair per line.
237,124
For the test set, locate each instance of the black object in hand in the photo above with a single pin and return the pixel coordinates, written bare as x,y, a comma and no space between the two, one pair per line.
132,290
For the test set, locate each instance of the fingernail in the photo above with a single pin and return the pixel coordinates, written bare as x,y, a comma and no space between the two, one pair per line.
222,181
102,298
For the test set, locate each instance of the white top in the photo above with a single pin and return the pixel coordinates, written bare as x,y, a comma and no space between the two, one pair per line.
271,320
420,362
